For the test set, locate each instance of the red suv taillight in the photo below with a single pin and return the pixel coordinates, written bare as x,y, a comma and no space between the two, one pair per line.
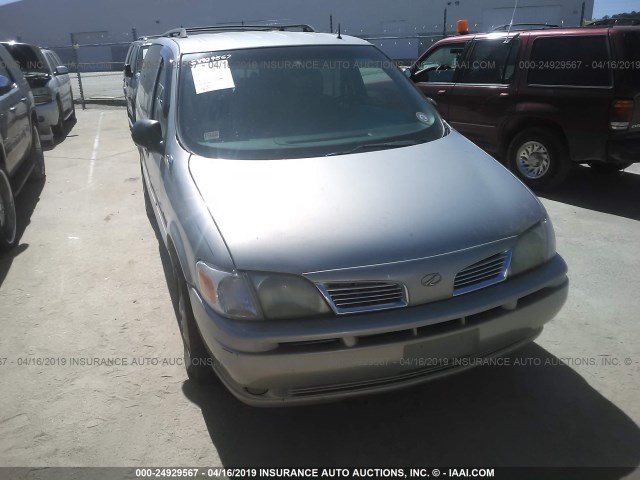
621,114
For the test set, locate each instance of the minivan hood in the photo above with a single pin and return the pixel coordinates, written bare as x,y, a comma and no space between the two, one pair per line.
315,214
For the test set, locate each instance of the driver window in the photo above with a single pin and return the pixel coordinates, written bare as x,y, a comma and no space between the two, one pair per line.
440,66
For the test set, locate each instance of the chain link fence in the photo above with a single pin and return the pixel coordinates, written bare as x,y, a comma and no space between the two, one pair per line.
95,68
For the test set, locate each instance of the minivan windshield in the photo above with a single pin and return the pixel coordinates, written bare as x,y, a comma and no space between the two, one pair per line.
294,102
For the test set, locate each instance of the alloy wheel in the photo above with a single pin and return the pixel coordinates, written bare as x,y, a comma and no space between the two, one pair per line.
533,160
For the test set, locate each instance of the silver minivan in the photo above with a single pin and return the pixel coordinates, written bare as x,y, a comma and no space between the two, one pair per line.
330,235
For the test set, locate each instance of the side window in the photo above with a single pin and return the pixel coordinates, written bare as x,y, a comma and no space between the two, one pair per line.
140,53
440,65
570,61
632,55
148,77
491,62
127,59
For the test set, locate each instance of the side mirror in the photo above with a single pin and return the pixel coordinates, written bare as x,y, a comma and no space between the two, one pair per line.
127,71
148,134
62,70
5,85
406,71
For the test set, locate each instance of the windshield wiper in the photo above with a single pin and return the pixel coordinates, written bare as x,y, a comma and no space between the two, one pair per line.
375,146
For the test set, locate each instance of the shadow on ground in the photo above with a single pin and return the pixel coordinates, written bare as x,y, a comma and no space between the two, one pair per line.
615,194
25,206
58,139
490,416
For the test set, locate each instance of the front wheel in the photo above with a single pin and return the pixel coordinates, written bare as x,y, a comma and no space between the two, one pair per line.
197,361
37,156
608,168
72,117
58,128
539,158
7,213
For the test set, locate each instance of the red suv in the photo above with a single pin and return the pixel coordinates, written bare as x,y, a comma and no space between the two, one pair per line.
541,99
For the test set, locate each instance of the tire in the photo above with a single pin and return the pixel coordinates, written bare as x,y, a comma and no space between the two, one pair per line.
197,360
58,129
608,168
148,206
37,157
539,158
8,227
147,201
72,117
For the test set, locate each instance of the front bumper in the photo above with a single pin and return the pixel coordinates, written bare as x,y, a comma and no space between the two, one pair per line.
292,362
47,114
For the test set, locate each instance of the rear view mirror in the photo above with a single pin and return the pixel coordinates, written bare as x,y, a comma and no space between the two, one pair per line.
148,134
62,70
5,85
127,70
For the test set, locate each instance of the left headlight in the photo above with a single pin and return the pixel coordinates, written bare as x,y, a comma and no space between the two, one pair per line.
41,95
534,247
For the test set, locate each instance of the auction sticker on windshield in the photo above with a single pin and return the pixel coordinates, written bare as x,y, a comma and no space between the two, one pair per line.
211,76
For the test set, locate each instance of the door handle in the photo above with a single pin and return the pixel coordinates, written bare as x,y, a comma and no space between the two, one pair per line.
23,99
504,95
441,92
12,109
168,159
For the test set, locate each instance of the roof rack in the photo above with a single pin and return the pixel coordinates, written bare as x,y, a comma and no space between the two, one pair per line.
526,26
185,32
148,37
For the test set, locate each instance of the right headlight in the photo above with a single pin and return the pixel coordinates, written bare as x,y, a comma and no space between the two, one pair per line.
288,296
534,247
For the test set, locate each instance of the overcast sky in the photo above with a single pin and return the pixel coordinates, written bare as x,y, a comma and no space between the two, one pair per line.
602,7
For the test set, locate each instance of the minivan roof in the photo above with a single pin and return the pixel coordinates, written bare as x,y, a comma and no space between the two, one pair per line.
206,42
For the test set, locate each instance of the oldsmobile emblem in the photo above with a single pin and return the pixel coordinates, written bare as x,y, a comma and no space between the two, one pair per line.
431,279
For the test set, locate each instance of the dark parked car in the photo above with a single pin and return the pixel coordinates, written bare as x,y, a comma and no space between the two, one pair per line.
21,155
541,99
132,66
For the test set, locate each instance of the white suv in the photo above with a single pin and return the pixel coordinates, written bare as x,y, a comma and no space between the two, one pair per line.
50,83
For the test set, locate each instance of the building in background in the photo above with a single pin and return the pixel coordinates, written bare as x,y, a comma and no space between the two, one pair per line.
402,28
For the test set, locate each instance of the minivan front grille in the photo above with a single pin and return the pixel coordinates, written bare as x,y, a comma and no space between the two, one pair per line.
359,297
486,272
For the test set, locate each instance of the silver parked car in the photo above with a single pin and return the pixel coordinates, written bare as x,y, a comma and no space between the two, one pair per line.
330,235
131,75
51,86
